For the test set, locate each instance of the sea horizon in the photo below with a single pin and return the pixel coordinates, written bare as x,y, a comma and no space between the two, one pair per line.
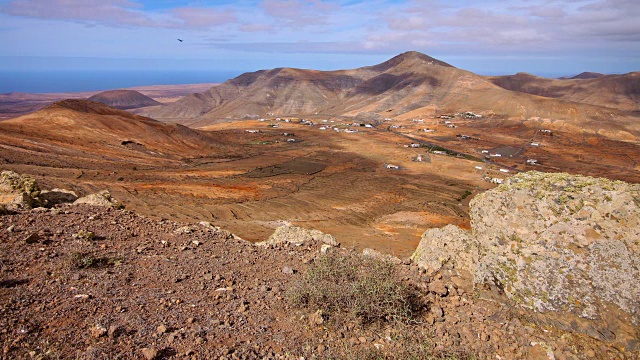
59,81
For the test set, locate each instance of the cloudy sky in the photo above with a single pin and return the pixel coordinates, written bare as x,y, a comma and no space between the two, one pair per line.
545,37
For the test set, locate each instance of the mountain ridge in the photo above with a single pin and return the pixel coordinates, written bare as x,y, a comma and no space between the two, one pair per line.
405,84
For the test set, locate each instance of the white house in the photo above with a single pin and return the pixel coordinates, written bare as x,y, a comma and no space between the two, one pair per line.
479,167
535,144
504,170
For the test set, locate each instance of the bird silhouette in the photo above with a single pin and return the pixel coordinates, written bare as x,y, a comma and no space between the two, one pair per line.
180,40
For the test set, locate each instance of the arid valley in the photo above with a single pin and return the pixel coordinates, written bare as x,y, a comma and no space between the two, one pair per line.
326,167
374,156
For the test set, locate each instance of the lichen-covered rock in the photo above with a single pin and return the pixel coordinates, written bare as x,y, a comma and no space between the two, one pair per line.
18,191
565,246
103,198
449,246
298,235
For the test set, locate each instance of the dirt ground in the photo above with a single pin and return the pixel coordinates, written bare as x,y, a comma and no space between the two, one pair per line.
337,182
252,182
96,283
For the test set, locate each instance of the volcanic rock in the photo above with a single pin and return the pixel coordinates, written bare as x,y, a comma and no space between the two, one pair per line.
18,191
565,246
297,235
57,196
102,198
449,246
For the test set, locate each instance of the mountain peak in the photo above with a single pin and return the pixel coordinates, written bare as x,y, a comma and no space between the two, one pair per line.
89,107
124,99
409,56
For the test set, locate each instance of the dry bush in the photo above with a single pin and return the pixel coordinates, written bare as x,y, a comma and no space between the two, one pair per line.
362,288
88,260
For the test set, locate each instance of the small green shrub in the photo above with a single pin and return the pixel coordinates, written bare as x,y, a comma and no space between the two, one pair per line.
362,288
88,260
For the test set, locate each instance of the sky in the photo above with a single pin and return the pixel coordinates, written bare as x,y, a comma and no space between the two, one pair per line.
543,37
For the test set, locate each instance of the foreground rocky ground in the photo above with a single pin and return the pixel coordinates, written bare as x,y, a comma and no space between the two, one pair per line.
79,281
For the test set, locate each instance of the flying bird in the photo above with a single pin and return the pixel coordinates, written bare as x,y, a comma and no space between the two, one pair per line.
180,40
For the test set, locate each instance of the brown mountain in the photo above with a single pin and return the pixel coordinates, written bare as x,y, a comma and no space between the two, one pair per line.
587,75
124,99
87,129
410,84
615,91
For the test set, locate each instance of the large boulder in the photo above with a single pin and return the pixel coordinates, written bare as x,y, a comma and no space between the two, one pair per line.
18,191
565,246
102,198
57,196
297,235
450,247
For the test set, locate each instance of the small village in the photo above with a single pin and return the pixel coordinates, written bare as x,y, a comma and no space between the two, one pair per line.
495,163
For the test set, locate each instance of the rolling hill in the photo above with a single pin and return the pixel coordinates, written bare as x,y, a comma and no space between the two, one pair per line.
620,92
87,129
124,99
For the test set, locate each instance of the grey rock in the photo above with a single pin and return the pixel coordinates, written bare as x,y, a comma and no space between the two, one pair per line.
103,198
449,246
297,235
565,246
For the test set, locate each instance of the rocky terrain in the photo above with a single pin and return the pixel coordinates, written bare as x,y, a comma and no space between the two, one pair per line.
92,280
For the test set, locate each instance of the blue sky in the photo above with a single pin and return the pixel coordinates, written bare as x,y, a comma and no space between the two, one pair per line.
546,37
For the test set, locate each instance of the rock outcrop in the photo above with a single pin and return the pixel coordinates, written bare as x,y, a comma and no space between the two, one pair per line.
18,191
297,235
449,246
565,246
102,198
57,196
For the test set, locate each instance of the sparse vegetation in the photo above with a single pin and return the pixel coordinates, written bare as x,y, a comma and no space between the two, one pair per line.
360,288
466,194
88,260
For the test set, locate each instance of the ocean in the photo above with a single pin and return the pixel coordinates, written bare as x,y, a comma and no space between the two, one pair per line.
75,80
